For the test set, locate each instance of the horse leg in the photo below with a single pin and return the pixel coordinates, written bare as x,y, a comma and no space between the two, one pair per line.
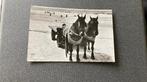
78,59
66,45
85,48
92,53
70,49
88,45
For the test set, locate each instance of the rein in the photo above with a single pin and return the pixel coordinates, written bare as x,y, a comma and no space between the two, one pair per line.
72,32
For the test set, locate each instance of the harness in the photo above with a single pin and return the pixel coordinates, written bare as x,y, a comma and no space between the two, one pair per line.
73,37
72,32
91,38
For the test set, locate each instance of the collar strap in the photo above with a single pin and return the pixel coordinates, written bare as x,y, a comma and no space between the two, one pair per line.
72,32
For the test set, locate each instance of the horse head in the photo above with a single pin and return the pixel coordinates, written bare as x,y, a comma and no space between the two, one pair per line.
93,26
81,25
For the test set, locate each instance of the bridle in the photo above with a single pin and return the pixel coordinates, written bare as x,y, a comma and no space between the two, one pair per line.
92,38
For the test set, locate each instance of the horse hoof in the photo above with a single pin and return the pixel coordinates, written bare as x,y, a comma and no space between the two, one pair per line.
70,59
93,58
78,60
85,57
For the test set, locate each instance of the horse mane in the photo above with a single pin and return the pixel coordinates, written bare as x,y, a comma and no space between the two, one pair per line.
74,26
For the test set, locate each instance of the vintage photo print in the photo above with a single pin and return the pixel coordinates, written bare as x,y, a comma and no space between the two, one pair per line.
70,35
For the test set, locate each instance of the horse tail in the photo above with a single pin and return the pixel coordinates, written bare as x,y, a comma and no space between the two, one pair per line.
66,45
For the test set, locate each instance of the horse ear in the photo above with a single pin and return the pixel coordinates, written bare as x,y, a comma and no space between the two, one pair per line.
84,16
78,15
90,17
96,17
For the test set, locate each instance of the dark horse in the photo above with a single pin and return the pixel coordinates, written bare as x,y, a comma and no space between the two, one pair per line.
74,36
91,33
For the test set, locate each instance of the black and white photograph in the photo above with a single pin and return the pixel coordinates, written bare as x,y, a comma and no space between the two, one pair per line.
70,35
